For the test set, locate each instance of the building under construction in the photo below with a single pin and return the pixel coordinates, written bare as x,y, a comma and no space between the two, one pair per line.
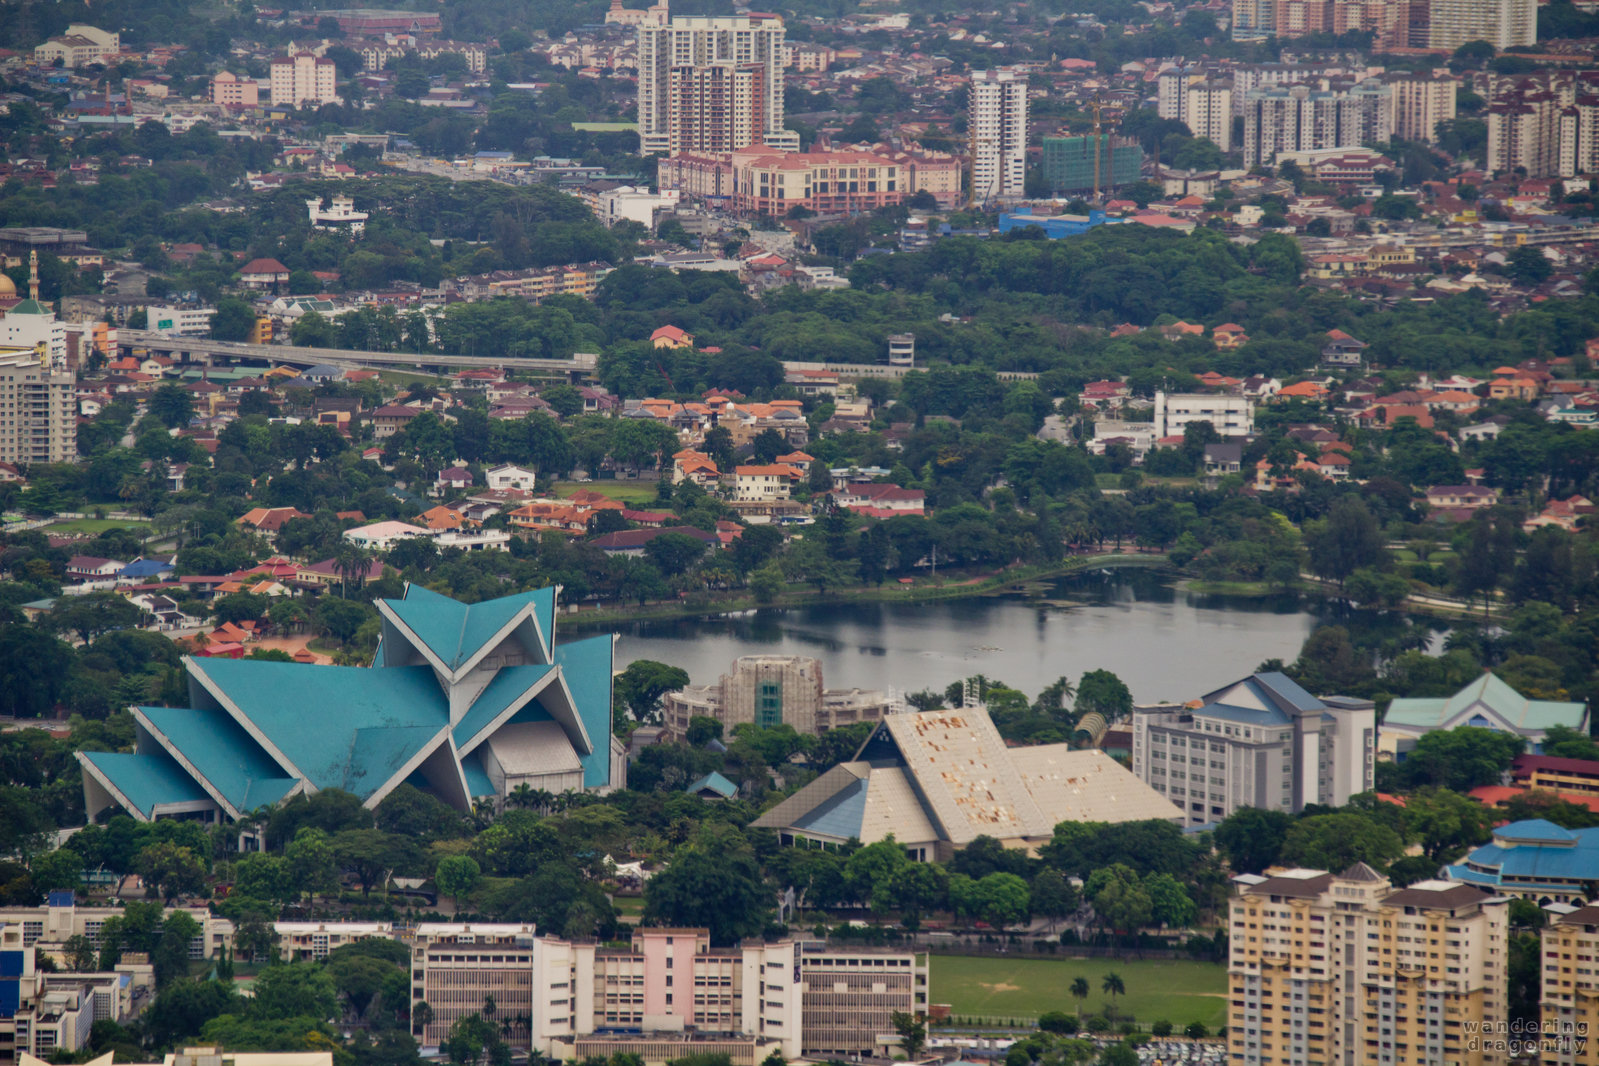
1069,162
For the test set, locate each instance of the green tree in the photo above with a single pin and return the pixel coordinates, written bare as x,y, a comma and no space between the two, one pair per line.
311,857
91,614
1119,897
1460,759
1170,903
457,876
912,1032
171,404
1347,540
639,688
175,871
1080,992
1252,838
1102,692
1446,823
234,320
711,884
1338,841
296,990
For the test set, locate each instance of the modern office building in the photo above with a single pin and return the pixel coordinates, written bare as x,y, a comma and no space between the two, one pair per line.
1502,23
460,969
770,690
937,780
1259,742
1231,416
1298,118
1569,999
1069,162
997,126
466,702
711,85
1345,968
1421,100
302,79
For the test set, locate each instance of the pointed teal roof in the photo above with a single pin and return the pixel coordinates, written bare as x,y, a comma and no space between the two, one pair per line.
343,727
257,732
146,781
221,753
716,783
30,307
1487,693
586,668
455,631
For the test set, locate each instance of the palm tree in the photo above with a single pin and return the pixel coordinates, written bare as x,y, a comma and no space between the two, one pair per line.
521,796
1112,986
351,562
1080,993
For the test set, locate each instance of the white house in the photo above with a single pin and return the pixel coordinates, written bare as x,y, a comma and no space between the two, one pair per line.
510,477
381,536
762,483
1232,416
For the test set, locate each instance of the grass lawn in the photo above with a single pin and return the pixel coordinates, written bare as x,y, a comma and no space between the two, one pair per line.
626,491
1180,991
94,525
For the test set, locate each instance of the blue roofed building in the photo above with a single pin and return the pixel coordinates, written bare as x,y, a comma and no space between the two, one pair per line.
1486,703
1536,860
464,701
1262,741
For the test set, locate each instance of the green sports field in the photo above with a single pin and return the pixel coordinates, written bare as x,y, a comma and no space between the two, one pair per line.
629,492
1178,991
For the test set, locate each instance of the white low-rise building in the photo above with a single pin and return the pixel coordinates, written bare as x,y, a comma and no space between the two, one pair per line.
1232,416
381,536
314,940
180,321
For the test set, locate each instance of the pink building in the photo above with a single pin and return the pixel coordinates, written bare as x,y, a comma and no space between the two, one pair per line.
230,90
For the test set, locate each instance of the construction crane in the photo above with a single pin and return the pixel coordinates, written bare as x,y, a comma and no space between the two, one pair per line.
1097,105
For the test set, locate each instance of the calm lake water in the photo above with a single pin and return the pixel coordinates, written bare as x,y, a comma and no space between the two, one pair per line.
1164,643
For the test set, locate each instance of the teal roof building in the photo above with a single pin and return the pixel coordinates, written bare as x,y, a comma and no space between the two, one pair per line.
1486,703
464,701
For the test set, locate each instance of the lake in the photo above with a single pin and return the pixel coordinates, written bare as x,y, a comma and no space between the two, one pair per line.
1165,643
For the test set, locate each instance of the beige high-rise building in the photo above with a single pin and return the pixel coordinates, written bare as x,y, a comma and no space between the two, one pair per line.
1569,1004
707,82
1345,968
997,124
1502,23
457,967
38,407
1421,100
303,79
1302,119
770,690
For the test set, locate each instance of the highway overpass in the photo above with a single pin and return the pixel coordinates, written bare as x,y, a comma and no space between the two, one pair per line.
214,353
580,367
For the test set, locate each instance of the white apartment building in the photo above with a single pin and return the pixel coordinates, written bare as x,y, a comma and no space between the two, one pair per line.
997,126
303,79
38,407
313,940
456,967
1233,416
1254,20
80,46
1345,968
1502,23
1170,85
1259,742
1547,123
52,925
1421,100
1208,111
1299,118
180,321
762,483
705,80
48,1013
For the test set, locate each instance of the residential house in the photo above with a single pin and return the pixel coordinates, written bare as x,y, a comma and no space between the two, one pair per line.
763,483
671,337
268,520
390,419
83,569
452,479
1343,352
263,274
381,536
632,542
690,465
441,519
1229,335
881,501
1223,459
1461,497
507,477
